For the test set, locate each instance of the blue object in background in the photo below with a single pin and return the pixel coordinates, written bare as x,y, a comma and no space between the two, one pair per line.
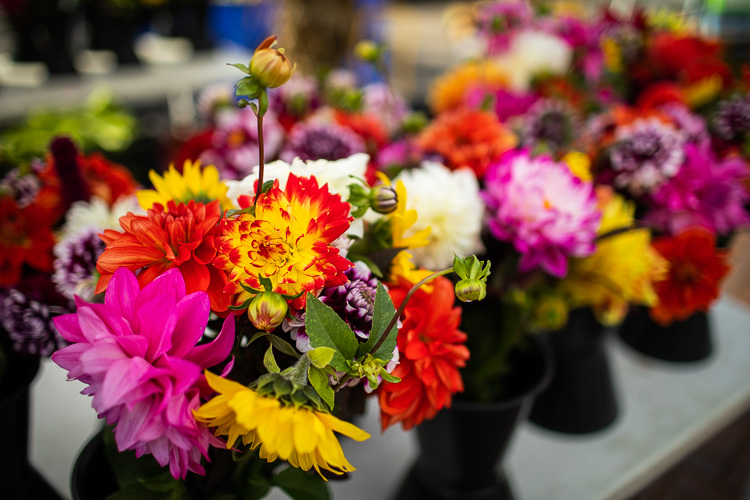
235,25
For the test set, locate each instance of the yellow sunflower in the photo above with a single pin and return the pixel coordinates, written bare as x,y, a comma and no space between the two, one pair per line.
302,436
193,183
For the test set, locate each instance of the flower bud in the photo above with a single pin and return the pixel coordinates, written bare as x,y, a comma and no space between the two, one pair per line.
270,67
383,199
470,290
367,50
267,311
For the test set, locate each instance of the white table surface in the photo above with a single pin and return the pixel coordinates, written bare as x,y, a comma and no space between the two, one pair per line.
666,410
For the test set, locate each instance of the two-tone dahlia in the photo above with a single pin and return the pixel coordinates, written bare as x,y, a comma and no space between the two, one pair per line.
647,154
542,209
287,240
178,235
317,140
139,357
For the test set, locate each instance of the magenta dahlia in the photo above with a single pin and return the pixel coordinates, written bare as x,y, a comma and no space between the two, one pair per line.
540,207
139,356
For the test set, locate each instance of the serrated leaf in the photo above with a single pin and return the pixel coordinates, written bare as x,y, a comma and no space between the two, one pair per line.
319,381
382,315
326,329
270,362
321,356
302,485
240,67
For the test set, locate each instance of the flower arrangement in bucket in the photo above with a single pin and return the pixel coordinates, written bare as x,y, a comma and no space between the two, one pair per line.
239,316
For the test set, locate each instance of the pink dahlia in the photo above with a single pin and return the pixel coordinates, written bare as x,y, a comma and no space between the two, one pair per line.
539,206
706,191
137,353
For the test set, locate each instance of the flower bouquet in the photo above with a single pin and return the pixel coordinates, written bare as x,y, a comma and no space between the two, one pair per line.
242,318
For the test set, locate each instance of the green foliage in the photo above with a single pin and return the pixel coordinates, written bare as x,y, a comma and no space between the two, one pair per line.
326,329
319,380
382,314
301,485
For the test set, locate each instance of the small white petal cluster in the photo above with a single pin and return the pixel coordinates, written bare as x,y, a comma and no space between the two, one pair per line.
448,201
532,53
96,215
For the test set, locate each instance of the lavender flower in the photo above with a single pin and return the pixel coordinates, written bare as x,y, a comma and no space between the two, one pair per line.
646,155
692,126
22,187
383,102
27,317
321,141
732,118
75,265
549,126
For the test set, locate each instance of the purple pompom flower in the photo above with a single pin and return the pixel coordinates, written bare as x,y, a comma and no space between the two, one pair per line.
542,209
139,356
75,264
732,118
549,126
321,141
647,153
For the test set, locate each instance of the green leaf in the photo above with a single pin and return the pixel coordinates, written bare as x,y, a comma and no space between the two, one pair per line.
266,186
326,329
240,67
320,382
263,102
388,377
302,485
266,283
254,107
283,346
321,356
382,315
270,362
247,87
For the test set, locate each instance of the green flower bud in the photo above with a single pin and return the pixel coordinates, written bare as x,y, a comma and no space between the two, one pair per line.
383,199
367,50
470,290
270,67
267,310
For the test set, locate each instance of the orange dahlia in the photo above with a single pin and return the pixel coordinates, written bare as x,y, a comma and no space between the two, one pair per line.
180,235
25,238
467,138
432,351
696,269
287,241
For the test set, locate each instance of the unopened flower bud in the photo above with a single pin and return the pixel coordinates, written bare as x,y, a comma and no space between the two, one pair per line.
367,50
267,311
270,67
383,199
470,290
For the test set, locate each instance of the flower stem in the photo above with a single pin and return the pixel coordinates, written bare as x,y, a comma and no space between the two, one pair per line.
401,308
261,157
620,230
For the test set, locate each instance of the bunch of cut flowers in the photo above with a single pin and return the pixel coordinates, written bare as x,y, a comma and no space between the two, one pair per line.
237,321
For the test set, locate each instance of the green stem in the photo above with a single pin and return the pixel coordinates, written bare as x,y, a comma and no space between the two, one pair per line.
401,308
261,156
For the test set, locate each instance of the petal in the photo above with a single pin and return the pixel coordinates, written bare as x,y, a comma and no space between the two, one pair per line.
192,318
121,293
215,352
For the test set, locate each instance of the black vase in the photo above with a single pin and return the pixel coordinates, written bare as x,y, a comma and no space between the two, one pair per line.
681,341
580,397
19,479
91,463
461,450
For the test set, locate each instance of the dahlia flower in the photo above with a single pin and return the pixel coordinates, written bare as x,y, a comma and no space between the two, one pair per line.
194,183
97,215
499,22
696,269
621,271
507,103
26,239
181,236
731,121
317,140
27,312
467,138
540,207
450,91
549,125
705,192
235,142
75,265
388,106
432,352
448,203
287,240
301,435
137,354
647,153
532,53
24,188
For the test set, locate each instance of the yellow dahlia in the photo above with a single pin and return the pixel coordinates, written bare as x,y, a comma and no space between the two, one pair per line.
193,183
622,269
449,91
302,436
288,240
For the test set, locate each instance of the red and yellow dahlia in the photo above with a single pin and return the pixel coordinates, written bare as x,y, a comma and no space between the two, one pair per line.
288,240
432,351
696,269
180,235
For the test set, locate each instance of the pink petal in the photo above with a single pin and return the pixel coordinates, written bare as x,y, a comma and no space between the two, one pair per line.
123,376
215,352
94,329
99,358
121,293
157,319
67,325
192,318
170,283
68,358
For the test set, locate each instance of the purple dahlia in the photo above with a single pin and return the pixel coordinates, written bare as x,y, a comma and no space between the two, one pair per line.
75,265
321,141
